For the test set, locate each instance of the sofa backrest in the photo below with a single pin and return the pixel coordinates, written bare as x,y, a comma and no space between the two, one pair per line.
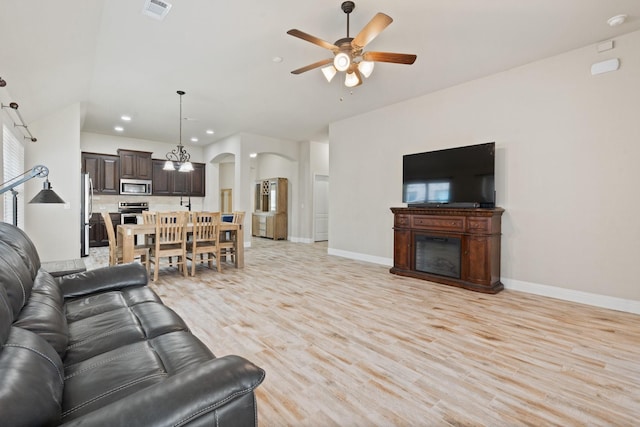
6,316
33,335
15,278
22,244
31,300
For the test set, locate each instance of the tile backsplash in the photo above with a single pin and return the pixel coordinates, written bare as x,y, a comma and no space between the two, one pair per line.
156,203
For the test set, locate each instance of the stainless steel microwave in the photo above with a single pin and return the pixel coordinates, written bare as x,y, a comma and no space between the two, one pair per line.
136,187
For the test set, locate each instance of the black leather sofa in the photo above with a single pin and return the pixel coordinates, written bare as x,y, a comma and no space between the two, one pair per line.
99,348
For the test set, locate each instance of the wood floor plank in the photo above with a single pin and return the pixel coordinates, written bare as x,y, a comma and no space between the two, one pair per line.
346,343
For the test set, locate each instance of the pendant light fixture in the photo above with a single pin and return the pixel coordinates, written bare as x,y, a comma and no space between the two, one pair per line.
179,158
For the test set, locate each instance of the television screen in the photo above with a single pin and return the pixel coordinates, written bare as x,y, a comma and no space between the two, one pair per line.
454,177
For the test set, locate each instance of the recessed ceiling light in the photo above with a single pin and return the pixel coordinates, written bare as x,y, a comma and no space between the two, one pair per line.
614,21
253,155
210,132
194,139
126,118
118,128
277,59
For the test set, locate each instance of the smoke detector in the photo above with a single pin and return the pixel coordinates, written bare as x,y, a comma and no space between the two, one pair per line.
156,9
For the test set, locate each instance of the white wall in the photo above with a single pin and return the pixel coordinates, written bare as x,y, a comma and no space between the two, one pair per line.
319,155
55,228
567,153
227,175
246,169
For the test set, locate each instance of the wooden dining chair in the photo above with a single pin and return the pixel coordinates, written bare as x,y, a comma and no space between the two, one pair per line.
228,239
170,241
148,218
115,253
204,239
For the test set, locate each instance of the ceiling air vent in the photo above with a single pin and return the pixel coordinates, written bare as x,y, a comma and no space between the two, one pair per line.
156,9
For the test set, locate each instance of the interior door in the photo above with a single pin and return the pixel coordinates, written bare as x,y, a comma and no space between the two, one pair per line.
321,208
226,201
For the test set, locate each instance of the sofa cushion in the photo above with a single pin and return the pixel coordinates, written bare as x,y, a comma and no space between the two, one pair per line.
109,377
101,333
180,351
91,335
31,382
44,313
158,319
114,375
83,307
15,277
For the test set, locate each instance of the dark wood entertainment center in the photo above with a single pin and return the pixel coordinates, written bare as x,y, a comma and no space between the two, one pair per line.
458,247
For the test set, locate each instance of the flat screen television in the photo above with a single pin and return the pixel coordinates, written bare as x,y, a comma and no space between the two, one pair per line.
461,177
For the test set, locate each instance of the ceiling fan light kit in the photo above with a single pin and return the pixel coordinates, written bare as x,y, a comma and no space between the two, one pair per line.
342,61
366,68
352,79
329,72
348,52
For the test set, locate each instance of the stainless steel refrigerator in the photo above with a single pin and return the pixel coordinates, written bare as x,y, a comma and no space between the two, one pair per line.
85,215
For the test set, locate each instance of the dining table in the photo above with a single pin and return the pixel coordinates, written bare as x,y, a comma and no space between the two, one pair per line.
127,238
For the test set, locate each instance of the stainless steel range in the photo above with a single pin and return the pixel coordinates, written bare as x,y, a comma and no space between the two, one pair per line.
130,211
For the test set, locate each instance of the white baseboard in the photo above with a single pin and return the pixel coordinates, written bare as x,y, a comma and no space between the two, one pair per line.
604,301
300,240
361,257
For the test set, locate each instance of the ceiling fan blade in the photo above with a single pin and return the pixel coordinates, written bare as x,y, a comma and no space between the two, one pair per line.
371,30
313,39
312,66
395,58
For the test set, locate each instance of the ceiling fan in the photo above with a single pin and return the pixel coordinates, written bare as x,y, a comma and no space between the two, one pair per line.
348,52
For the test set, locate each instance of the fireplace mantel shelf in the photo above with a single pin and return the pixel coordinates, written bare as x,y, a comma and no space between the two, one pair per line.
475,231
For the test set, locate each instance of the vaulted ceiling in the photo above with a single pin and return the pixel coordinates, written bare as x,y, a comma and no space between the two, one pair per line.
115,60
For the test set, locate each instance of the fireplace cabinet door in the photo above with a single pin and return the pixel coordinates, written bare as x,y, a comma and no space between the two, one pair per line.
402,255
477,260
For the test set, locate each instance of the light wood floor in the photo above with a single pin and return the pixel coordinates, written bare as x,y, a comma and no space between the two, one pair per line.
347,343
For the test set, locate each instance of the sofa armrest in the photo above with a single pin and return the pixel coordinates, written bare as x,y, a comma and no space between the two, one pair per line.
103,279
192,396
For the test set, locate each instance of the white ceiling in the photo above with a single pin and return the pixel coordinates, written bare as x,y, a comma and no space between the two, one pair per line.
114,60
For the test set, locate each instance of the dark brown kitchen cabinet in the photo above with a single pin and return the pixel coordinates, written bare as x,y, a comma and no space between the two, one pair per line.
98,231
176,183
198,180
104,170
161,184
135,164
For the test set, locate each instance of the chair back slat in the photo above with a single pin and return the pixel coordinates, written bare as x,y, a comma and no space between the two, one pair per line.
205,226
148,217
238,217
171,227
113,245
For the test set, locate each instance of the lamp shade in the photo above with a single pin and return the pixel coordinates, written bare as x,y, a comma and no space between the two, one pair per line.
186,167
168,166
329,72
352,79
46,195
366,68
